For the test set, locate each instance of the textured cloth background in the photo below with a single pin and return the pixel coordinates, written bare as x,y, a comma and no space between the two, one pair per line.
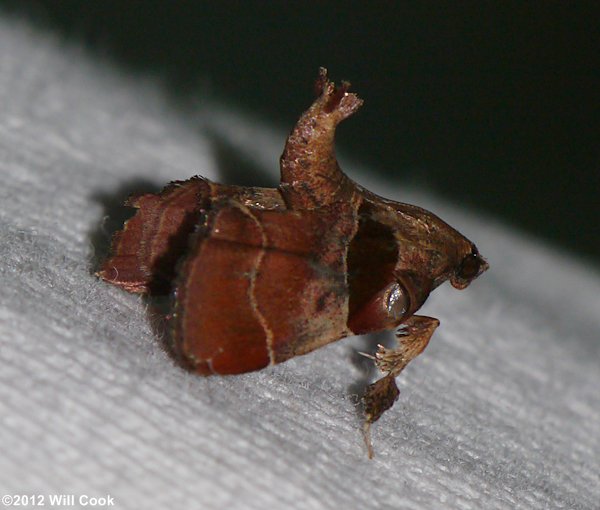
502,411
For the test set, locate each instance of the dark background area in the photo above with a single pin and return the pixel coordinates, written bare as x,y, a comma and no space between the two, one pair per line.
494,105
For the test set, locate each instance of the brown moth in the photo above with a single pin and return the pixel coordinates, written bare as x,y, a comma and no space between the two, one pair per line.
261,275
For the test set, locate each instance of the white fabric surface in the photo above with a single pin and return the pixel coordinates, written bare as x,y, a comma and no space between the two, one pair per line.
502,411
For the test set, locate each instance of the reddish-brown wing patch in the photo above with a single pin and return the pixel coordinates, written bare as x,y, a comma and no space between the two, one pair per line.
144,254
260,287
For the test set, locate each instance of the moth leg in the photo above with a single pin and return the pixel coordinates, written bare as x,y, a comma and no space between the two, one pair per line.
310,174
413,337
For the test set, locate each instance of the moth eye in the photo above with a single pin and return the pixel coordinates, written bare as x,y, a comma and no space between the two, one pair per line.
469,267
397,301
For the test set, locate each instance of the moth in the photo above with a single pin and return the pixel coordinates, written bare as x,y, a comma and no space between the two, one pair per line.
260,275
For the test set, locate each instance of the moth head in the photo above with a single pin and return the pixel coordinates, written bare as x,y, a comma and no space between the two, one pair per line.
469,268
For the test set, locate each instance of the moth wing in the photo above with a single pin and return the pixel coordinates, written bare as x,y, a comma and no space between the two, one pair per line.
261,286
145,252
